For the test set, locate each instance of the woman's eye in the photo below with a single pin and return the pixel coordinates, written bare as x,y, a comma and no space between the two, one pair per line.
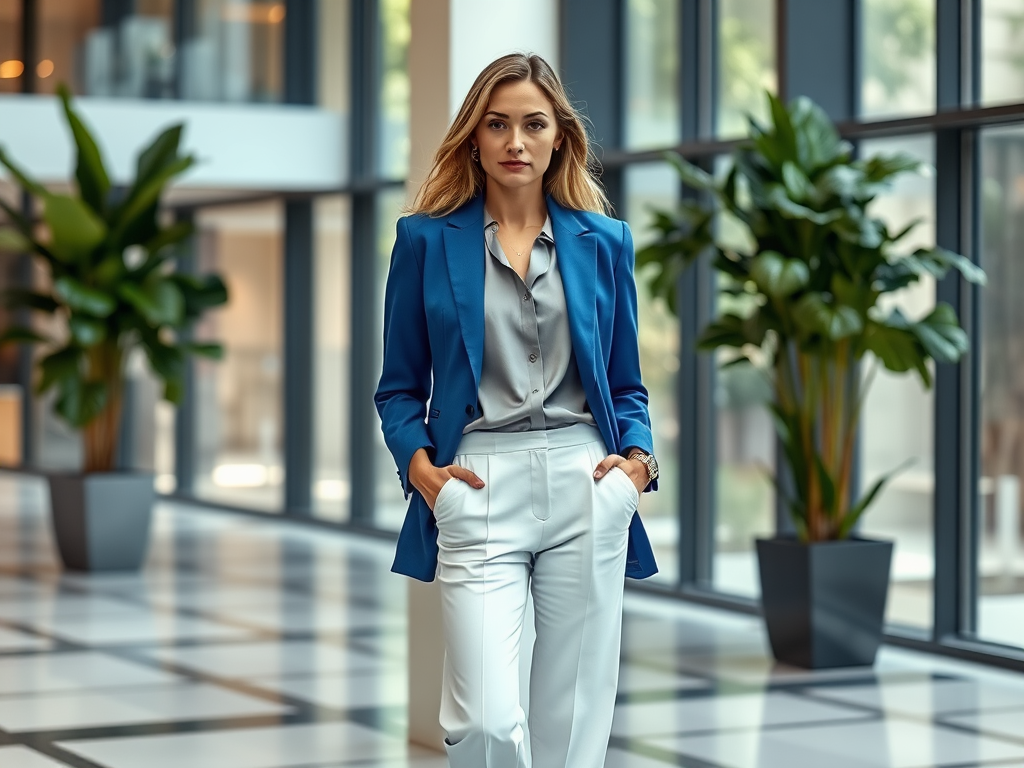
496,125
535,126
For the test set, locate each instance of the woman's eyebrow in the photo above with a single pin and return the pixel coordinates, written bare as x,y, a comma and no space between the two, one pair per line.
503,116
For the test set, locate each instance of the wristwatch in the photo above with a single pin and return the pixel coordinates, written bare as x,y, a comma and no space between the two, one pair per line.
648,461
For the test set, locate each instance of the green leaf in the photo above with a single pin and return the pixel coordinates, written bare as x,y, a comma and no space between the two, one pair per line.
19,297
898,349
93,182
832,321
211,351
159,154
169,236
778,276
15,242
166,361
143,197
26,183
158,300
63,365
785,136
205,292
21,335
827,486
690,174
865,501
75,228
796,182
87,331
944,260
82,298
80,402
941,335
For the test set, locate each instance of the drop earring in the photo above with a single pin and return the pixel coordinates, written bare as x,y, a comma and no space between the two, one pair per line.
475,153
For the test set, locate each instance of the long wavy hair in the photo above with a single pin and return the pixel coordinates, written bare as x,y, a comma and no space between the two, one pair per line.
455,179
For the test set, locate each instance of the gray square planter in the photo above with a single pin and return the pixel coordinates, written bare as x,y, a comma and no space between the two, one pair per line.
824,603
101,520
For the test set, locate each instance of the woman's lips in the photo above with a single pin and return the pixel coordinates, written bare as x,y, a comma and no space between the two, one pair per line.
514,165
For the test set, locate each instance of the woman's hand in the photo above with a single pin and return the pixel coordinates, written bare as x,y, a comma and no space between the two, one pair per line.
635,470
428,479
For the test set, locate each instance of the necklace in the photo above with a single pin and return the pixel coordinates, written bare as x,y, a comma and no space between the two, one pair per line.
519,253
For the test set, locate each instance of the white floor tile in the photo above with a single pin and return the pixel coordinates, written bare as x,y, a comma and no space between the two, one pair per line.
723,712
296,745
137,627
878,744
265,659
23,757
342,691
13,640
1007,723
42,673
635,679
928,697
184,701
617,758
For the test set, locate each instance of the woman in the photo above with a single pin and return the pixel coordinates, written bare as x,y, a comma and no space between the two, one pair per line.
512,402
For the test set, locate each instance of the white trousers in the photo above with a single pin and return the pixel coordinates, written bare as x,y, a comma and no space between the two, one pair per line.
540,525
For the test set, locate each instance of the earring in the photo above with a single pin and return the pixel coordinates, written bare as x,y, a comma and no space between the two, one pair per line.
475,153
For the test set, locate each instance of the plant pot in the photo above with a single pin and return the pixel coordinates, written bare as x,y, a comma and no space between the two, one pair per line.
101,520
824,603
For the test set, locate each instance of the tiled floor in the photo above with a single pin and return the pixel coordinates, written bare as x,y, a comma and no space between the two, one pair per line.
258,644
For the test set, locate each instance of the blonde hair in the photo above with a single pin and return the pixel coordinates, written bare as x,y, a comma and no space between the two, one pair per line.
455,178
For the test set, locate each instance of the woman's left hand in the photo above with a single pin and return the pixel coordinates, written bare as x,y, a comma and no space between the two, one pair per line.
635,470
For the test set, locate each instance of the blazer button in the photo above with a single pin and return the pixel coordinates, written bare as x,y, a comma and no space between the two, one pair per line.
469,410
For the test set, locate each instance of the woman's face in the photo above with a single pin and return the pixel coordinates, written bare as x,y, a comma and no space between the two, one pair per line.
517,135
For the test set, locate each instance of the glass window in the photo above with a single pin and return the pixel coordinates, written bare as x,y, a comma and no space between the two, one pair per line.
657,185
652,73
238,399
898,57
11,65
332,273
746,63
63,30
898,417
1000,609
394,95
235,53
1002,51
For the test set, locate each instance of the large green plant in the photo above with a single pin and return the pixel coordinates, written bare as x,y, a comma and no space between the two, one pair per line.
811,287
113,284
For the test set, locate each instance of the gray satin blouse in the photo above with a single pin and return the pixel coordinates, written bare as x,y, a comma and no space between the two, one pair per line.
529,379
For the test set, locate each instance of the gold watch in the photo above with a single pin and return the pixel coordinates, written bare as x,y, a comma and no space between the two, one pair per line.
648,461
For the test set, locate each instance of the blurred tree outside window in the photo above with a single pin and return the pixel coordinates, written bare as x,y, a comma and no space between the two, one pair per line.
1002,51
898,57
394,94
652,73
746,63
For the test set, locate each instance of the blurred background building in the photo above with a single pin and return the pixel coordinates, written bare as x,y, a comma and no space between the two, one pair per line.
300,113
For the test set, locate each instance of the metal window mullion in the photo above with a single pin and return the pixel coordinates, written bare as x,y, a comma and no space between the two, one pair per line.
364,363
955,441
185,414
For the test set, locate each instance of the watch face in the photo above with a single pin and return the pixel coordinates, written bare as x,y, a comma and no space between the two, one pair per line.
653,467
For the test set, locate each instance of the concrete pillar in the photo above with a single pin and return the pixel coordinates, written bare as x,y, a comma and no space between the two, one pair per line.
452,40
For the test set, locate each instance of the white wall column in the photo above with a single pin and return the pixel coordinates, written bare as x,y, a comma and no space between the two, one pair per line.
452,40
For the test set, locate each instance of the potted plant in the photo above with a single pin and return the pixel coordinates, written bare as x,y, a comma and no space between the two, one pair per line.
807,306
113,289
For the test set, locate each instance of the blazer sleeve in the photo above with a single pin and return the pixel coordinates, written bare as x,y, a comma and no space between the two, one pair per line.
629,396
405,382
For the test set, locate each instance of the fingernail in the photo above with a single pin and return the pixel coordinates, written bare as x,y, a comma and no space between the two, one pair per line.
597,473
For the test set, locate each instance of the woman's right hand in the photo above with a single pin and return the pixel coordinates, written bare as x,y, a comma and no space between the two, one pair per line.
428,479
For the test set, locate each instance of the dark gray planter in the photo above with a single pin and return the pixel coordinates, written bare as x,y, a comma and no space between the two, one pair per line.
101,520
824,603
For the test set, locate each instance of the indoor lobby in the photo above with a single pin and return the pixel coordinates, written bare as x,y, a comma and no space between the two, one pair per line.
264,627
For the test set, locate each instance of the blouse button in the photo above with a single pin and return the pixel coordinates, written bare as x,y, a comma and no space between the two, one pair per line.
469,410
533,358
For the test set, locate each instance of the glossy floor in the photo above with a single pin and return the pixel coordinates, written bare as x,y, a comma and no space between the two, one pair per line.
258,644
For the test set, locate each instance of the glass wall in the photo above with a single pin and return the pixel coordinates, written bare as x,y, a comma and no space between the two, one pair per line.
898,417
1002,51
238,399
332,218
394,94
657,185
898,57
1000,555
746,63
652,73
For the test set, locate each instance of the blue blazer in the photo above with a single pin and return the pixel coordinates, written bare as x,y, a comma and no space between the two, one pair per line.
434,348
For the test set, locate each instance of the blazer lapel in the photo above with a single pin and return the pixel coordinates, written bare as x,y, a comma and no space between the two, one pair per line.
464,253
576,249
